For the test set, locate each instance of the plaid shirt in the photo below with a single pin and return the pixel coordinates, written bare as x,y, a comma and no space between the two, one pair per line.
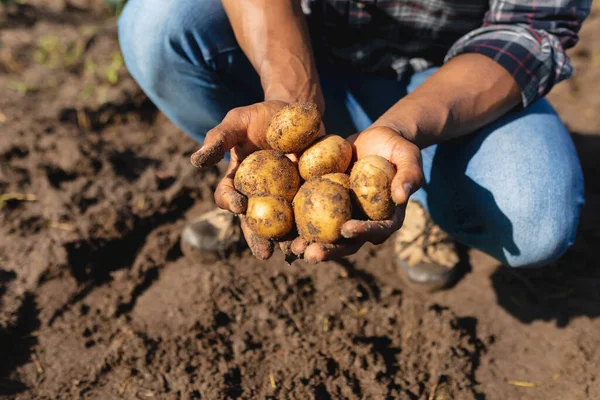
527,37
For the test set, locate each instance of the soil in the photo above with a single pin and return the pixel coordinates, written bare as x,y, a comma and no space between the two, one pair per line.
97,300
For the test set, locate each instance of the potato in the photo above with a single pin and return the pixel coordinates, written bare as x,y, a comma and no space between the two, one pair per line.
326,156
269,217
267,172
321,207
339,178
371,181
294,127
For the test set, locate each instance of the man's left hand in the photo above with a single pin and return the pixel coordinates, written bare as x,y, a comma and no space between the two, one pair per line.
406,158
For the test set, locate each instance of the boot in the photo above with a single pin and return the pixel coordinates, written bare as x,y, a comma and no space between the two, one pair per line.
216,232
425,255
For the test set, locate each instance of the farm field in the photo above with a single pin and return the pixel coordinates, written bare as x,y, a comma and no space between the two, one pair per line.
97,300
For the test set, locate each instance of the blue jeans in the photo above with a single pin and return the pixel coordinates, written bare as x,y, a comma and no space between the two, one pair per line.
513,189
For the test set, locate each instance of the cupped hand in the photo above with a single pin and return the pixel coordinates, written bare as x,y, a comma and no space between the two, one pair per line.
241,132
406,158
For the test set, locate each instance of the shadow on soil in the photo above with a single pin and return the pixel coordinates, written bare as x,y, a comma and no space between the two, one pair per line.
568,288
16,344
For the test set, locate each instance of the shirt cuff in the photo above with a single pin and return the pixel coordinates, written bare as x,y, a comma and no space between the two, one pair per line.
536,59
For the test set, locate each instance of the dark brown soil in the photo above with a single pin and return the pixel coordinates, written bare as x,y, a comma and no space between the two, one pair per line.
97,301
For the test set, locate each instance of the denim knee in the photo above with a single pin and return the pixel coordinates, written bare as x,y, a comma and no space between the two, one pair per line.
551,235
544,199
513,190
520,233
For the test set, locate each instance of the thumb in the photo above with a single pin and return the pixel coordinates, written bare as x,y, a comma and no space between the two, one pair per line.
402,153
222,138
406,157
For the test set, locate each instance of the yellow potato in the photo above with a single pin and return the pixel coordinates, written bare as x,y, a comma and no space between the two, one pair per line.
339,178
321,208
371,181
267,172
294,127
269,217
326,156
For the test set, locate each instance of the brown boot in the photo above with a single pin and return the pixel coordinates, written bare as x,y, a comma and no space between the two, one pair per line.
425,255
216,232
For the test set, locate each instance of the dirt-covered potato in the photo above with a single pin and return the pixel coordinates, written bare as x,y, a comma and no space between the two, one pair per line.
269,217
267,172
321,208
294,127
339,178
328,155
371,181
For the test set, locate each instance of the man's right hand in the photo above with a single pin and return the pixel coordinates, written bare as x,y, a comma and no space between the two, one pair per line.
242,132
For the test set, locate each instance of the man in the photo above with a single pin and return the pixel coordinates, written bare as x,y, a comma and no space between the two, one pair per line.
450,92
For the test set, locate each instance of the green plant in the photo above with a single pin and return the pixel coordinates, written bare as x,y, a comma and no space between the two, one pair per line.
115,6
113,69
51,51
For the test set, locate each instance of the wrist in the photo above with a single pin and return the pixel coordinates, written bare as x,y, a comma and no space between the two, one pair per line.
285,94
420,122
404,123
289,84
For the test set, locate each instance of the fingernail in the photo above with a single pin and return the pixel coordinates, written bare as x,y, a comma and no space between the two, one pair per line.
348,234
207,157
197,159
407,189
238,204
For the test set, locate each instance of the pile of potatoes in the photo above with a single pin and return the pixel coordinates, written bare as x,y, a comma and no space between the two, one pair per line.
316,195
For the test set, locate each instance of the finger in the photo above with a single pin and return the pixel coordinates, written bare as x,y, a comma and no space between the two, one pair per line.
286,247
317,252
375,232
406,157
261,248
226,196
321,131
222,138
402,153
293,157
352,138
298,246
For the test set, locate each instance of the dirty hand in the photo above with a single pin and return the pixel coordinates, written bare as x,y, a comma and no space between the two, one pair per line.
242,132
406,157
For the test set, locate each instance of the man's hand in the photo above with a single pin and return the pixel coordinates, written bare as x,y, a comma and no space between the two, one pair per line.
406,157
242,132
275,38
468,92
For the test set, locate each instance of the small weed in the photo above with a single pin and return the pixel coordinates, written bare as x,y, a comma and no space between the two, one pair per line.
87,92
114,68
115,6
51,51
18,86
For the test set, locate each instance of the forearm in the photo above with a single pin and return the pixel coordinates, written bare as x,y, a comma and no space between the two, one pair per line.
466,93
274,37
